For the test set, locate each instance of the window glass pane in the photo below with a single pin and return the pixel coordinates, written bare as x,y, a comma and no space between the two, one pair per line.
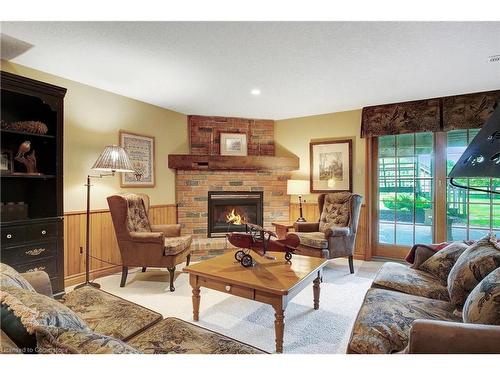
469,209
386,146
386,233
496,217
423,234
405,185
404,234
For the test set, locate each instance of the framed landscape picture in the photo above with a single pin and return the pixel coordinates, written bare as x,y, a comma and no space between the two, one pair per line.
331,166
233,144
141,151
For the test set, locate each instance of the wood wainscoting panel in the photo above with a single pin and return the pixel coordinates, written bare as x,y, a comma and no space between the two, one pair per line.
311,213
103,243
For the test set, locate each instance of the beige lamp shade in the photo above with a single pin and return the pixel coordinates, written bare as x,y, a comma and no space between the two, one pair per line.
297,187
114,159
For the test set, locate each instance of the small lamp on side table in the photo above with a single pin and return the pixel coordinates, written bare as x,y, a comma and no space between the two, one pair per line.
298,187
113,159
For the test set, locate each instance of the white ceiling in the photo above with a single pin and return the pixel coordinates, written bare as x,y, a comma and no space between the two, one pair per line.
302,68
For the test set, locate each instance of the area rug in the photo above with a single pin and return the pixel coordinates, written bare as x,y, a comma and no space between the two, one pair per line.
326,330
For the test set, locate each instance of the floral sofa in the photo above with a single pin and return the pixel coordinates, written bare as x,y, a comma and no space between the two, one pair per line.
446,302
91,321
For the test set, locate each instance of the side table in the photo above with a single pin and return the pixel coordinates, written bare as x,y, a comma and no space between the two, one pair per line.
282,228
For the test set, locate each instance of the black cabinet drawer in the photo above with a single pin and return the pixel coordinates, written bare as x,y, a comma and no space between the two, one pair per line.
48,265
38,232
13,235
28,253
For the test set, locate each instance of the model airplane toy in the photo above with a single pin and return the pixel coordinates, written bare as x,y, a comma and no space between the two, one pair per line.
259,240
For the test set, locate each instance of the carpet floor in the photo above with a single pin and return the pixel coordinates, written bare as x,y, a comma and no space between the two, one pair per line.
326,330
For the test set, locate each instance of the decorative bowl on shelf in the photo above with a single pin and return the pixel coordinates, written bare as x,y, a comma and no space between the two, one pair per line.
32,127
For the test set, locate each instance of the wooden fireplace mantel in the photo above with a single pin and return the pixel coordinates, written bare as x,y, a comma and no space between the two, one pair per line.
232,163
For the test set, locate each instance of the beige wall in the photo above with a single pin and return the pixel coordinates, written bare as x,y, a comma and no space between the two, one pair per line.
92,119
293,136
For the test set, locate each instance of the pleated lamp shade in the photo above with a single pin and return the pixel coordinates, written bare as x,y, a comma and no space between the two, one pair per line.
114,159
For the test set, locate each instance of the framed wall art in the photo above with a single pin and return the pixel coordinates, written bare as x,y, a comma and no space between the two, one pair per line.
331,166
141,151
234,144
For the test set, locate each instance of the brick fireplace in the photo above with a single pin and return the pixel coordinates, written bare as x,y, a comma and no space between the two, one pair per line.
196,178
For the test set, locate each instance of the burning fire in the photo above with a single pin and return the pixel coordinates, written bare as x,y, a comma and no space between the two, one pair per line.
234,218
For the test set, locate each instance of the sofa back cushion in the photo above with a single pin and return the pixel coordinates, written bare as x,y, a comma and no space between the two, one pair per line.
23,311
441,263
137,217
336,211
483,303
477,261
10,277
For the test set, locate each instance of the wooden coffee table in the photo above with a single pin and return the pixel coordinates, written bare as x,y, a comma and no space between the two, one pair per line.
274,282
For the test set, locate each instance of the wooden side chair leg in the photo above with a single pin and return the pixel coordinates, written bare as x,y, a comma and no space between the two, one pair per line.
351,264
124,276
172,275
143,269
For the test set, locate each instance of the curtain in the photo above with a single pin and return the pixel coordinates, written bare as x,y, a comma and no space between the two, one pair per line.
430,115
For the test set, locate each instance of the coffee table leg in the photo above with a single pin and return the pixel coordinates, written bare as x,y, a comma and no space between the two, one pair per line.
196,303
279,327
316,290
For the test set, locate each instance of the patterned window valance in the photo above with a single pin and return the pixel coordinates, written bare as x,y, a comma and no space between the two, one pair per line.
431,115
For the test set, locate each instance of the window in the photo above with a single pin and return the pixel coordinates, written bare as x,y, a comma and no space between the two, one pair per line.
405,188
409,167
469,214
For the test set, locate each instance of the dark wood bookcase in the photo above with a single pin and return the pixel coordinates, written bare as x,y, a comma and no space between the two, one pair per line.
32,204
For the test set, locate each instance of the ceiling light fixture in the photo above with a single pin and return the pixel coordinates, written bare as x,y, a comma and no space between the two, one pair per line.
255,92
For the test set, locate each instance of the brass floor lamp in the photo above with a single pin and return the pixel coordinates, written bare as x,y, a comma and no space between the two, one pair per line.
113,159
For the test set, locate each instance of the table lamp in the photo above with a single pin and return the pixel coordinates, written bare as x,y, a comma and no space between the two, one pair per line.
298,187
113,159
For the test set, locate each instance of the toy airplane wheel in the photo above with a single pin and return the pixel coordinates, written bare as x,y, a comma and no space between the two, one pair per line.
239,254
247,261
288,256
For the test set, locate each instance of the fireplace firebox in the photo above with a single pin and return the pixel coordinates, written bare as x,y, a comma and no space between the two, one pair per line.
229,211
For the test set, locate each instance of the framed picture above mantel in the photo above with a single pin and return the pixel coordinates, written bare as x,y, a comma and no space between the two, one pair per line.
331,166
141,151
234,144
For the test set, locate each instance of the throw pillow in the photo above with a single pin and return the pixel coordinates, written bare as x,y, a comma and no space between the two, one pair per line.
10,277
440,263
57,340
483,304
336,211
477,261
24,310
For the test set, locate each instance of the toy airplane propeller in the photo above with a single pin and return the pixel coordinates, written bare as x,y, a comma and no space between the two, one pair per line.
259,240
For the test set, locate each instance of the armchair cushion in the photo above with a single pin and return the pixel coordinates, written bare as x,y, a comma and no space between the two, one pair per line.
336,211
137,216
385,318
483,303
313,239
176,245
440,263
399,277
477,261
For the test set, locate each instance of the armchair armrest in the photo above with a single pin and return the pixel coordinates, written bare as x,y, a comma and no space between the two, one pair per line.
306,227
40,281
169,230
335,231
147,237
440,337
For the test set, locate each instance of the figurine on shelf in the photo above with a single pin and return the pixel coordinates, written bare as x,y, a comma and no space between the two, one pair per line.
29,161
